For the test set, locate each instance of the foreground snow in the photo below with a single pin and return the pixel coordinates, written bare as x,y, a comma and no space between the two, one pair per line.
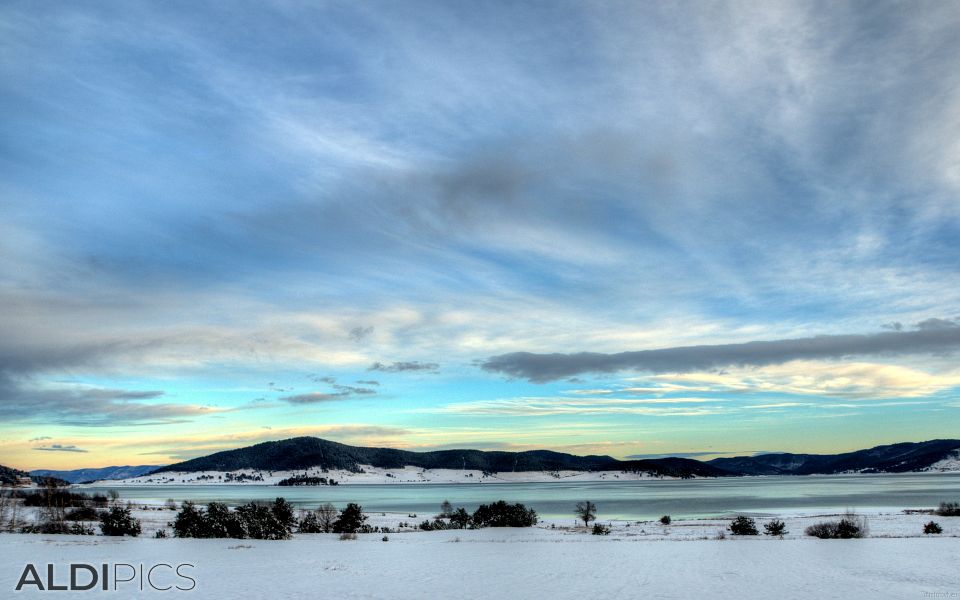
373,475
519,564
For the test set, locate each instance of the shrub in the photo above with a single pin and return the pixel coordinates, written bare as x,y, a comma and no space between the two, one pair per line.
849,527
823,530
350,519
310,524
283,513
160,533
219,522
54,497
460,519
252,520
190,522
347,536
57,527
599,529
775,527
948,509
83,513
743,526
261,522
384,539
118,521
436,525
666,520
932,527
501,514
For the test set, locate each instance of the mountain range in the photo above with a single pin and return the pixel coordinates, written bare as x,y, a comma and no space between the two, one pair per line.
84,475
306,452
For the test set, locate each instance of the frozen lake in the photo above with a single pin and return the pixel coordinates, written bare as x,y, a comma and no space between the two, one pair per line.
643,499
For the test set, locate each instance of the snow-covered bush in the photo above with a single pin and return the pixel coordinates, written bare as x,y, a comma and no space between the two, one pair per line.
665,519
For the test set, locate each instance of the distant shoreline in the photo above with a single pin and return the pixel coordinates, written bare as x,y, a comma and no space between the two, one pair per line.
416,476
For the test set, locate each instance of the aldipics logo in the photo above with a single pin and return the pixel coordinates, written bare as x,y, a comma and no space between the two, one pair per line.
80,577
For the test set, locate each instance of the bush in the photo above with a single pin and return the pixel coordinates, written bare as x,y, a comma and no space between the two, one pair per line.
460,519
190,522
49,526
118,521
350,519
823,530
252,520
347,536
436,525
501,514
932,527
948,509
263,522
160,533
743,526
219,522
83,513
55,497
775,527
310,524
666,520
849,527
599,529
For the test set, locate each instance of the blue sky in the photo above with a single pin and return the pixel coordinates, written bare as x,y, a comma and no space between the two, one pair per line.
495,225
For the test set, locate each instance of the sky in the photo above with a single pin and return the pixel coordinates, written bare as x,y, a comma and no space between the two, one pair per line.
630,229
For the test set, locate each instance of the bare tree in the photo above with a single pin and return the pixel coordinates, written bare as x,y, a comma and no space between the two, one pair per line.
4,501
326,515
586,512
446,509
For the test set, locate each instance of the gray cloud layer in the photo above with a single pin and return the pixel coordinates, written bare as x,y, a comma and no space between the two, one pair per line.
932,336
87,406
399,367
341,392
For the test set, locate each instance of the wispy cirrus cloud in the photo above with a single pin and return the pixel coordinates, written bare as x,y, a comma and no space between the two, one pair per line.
60,448
541,407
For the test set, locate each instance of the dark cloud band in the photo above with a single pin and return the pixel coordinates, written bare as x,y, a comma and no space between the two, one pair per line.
942,336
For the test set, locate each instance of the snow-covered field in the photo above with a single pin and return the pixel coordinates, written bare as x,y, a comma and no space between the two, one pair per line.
518,564
373,475
554,560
